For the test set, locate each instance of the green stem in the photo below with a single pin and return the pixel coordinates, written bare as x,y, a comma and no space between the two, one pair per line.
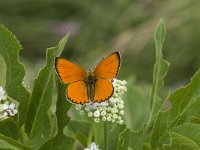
90,135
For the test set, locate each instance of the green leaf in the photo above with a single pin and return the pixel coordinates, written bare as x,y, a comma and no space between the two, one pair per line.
193,119
9,50
135,98
79,130
63,106
159,128
191,131
8,143
60,142
106,134
181,142
9,128
186,101
2,72
41,120
185,104
130,139
159,72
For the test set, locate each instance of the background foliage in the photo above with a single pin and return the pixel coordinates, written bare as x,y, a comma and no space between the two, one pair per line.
96,29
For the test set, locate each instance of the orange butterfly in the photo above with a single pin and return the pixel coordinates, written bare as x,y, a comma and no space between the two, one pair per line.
95,85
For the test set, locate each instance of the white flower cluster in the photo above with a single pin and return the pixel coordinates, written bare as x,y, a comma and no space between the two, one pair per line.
7,109
110,110
93,146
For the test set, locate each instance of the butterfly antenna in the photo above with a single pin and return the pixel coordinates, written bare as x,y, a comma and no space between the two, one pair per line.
79,64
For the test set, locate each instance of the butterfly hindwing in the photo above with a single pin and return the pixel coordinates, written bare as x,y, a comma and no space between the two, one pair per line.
103,90
69,72
77,92
108,67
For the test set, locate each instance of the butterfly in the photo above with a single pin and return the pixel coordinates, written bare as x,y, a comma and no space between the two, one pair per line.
94,85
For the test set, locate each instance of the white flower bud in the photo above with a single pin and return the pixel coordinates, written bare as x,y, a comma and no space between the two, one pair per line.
100,108
113,120
79,107
93,106
87,108
114,111
109,109
115,106
108,118
12,106
5,106
81,112
90,114
121,122
104,104
97,114
112,101
103,113
119,118
124,82
121,112
103,118
4,97
97,120
15,111
115,116
120,106
5,114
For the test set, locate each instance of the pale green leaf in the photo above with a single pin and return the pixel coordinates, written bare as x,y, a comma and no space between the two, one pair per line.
179,142
135,100
161,65
79,130
185,101
159,128
159,72
191,131
9,128
133,140
8,143
185,104
2,72
9,50
60,142
41,123
63,106
107,134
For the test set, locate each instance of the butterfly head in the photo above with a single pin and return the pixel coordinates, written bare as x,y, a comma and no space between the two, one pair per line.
90,78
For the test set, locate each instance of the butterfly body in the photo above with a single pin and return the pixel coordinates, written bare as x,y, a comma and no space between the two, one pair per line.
90,84
95,85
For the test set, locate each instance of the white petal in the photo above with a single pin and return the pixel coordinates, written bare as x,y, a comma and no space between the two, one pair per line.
12,106
5,106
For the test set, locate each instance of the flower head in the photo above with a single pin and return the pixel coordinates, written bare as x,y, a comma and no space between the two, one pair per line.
93,146
110,110
7,109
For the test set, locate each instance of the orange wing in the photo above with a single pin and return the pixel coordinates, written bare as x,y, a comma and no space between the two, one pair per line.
69,72
77,92
103,90
108,67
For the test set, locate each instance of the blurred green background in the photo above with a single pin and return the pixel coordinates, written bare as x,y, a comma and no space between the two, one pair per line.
99,27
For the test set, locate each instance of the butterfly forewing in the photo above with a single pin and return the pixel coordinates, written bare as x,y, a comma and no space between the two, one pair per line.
77,92
108,67
103,90
68,71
